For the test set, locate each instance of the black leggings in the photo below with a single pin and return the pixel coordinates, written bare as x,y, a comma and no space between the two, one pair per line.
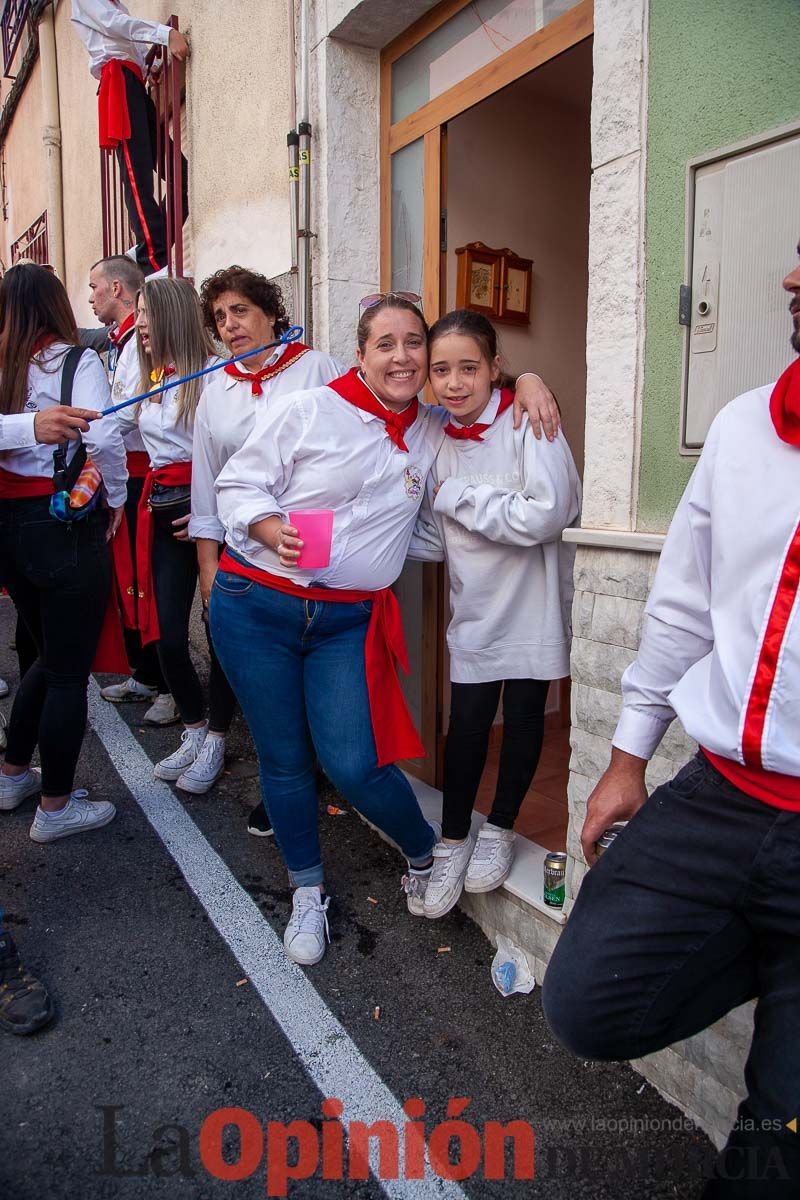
59,577
472,711
174,584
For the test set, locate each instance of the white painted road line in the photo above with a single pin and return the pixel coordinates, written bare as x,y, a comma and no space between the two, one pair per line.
328,1054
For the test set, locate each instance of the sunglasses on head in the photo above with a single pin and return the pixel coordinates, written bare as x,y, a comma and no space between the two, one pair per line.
378,297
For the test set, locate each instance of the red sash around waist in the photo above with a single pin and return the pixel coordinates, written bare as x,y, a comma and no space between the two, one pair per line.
771,787
23,487
114,122
392,726
138,464
172,475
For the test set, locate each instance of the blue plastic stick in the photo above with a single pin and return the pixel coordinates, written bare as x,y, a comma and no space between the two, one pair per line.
291,335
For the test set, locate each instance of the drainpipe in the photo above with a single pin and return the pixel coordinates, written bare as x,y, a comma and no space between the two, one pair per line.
293,146
51,136
304,206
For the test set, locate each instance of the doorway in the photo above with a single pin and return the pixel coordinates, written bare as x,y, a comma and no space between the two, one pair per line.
517,175
502,158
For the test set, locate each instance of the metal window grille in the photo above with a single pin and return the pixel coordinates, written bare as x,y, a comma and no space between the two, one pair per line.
33,243
166,88
12,24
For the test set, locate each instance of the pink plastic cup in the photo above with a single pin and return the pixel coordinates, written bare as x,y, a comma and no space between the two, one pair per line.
314,527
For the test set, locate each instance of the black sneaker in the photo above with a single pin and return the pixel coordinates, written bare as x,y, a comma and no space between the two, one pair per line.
25,1005
258,822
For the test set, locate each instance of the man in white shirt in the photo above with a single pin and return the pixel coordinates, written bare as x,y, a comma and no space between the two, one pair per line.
117,44
114,283
695,907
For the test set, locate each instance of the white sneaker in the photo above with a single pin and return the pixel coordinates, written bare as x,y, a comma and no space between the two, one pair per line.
16,788
206,768
307,930
77,816
173,766
163,711
4,688
127,691
447,877
491,860
3,732
415,883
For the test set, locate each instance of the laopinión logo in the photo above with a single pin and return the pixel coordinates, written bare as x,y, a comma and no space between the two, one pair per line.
332,1148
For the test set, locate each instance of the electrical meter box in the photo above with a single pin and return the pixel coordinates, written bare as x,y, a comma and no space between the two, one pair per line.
743,208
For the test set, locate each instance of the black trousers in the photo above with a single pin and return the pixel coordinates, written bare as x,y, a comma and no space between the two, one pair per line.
694,909
472,711
138,159
59,577
174,583
145,666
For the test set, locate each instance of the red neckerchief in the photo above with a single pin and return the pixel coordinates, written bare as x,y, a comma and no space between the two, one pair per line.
116,336
160,374
472,433
784,405
351,387
256,378
46,339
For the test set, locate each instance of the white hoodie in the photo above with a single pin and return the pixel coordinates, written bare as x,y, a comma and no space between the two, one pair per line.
497,519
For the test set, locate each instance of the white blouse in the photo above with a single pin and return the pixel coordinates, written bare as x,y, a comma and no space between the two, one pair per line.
314,449
90,390
225,418
167,439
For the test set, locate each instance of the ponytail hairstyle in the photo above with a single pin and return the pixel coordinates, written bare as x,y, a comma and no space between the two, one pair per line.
473,325
389,301
177,338
33,306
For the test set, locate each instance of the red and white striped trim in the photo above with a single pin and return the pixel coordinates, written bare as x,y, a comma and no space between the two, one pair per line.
151,254
784,600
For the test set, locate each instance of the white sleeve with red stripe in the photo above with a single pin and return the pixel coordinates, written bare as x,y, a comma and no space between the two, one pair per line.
678,630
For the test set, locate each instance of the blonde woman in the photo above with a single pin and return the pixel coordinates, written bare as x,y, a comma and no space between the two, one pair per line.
171,339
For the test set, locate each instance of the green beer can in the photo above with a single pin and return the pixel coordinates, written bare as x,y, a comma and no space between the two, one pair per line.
555,870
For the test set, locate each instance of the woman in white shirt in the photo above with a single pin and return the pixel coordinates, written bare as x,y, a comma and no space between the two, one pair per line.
58,573
311,653
497,503
172,339
245,311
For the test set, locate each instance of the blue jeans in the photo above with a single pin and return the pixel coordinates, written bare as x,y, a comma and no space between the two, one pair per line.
694,909
297,668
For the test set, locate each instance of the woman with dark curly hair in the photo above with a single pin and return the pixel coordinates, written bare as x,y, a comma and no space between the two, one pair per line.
245,311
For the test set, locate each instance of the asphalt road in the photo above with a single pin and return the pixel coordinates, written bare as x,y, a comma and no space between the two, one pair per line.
160,1024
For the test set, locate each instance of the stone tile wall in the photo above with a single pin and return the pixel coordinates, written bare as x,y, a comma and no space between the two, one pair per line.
703,1075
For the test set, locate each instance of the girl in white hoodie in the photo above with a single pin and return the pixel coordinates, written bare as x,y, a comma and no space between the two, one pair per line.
498,501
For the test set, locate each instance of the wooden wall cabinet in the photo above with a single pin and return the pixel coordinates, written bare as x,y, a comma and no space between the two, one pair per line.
496,283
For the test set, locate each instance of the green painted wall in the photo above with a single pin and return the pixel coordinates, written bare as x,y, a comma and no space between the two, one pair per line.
719,70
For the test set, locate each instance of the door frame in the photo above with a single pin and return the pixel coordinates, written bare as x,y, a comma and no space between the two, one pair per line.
429,122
